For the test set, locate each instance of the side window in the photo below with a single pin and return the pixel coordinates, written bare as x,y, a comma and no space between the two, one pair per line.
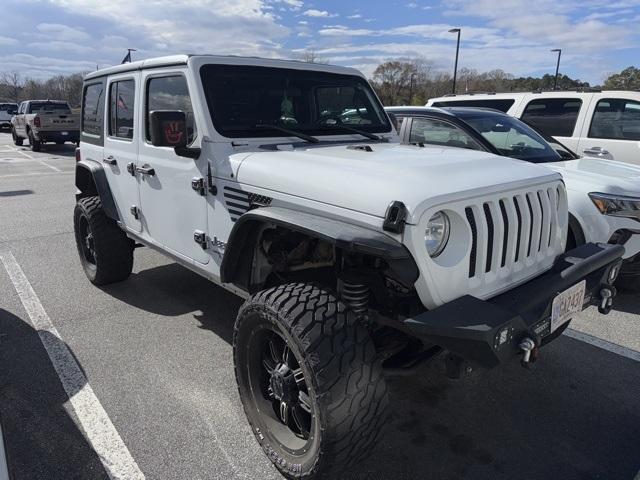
93,109
121,98
438,132
21,108
616,119
553,116
170,93
502,104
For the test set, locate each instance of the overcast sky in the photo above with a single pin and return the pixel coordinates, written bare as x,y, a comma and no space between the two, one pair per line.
41,38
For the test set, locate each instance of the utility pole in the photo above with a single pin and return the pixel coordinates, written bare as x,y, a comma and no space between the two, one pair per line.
555,82
455,68
411,88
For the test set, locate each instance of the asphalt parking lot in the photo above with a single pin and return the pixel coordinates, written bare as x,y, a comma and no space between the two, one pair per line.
156,353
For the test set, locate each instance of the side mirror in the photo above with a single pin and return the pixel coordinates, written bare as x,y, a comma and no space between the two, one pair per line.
168,128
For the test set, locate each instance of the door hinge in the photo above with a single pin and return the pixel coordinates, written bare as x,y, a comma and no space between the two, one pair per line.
199,186
201,239
135,211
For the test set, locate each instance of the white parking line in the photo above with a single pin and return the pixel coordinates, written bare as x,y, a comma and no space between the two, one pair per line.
95,422
30,157
598,342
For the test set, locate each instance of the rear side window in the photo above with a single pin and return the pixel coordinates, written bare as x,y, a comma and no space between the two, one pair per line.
497,104
93,109
437,132
616,119
121,104
553,116
56,107
170,93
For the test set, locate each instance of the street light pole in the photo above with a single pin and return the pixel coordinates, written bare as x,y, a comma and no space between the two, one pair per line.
411,89
455,68
555,82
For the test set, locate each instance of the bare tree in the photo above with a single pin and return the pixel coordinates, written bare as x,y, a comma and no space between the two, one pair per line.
11,85
312,56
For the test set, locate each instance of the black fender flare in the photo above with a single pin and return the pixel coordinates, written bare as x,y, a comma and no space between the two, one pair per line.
576,229
236,264
91,180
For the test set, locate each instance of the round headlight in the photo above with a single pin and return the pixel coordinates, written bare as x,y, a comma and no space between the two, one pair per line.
436,235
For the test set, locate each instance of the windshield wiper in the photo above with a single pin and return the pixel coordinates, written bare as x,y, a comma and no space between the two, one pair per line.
346,128
294,133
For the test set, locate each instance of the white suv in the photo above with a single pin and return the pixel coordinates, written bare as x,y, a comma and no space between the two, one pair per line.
604,124
284,182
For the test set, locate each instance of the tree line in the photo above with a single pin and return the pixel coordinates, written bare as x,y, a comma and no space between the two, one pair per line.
397,82
16,88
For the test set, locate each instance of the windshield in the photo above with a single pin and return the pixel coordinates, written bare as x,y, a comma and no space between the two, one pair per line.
35,107
8,107
512,138
243,100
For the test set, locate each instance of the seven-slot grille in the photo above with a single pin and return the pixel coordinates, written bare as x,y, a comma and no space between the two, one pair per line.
512,230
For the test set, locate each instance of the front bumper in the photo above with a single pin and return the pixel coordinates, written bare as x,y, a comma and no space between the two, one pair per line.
488,333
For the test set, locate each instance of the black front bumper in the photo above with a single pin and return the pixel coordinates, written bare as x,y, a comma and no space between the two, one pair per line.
488,332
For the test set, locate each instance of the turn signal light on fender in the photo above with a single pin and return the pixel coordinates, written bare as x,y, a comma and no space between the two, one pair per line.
78,157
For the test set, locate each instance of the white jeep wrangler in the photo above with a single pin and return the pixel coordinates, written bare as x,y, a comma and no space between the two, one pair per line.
284,182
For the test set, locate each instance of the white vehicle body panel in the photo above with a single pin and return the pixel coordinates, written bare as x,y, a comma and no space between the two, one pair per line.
588,175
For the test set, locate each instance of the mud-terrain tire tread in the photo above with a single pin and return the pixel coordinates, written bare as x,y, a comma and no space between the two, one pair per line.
114,250
348,379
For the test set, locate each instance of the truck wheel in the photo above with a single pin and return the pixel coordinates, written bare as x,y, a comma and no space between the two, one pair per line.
16,139
35,144
106,253
310,381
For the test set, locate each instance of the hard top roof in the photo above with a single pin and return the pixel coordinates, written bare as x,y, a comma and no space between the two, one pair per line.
183,59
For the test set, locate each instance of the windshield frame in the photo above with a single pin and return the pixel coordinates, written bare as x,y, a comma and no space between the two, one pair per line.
208,70
521,127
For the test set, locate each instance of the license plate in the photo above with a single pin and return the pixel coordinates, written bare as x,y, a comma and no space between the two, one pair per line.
64,133
566,304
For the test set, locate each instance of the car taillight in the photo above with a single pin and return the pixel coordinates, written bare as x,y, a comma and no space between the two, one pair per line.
78,157
36,121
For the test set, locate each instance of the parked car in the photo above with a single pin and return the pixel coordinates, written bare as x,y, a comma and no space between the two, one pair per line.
604,195
284,182
7,110
42,121
604,124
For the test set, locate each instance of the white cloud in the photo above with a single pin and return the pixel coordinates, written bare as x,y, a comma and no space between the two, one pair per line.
7,41
61,32
319,13
354,16
62,47
303,22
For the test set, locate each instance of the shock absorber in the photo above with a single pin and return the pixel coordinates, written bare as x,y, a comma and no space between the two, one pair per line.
356,296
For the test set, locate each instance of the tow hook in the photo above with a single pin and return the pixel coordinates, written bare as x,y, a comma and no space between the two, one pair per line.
529,350
606,295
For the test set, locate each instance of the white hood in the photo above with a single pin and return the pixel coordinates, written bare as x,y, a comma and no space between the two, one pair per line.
598,175
369,181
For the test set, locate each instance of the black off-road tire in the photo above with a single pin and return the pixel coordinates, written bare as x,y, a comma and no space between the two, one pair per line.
111,257
36,145
16,139
340,364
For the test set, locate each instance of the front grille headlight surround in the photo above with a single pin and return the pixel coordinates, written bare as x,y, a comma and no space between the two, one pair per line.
616,205
436,235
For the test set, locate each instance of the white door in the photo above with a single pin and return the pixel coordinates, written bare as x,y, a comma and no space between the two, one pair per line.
560,115
172,210
613,128
121,146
